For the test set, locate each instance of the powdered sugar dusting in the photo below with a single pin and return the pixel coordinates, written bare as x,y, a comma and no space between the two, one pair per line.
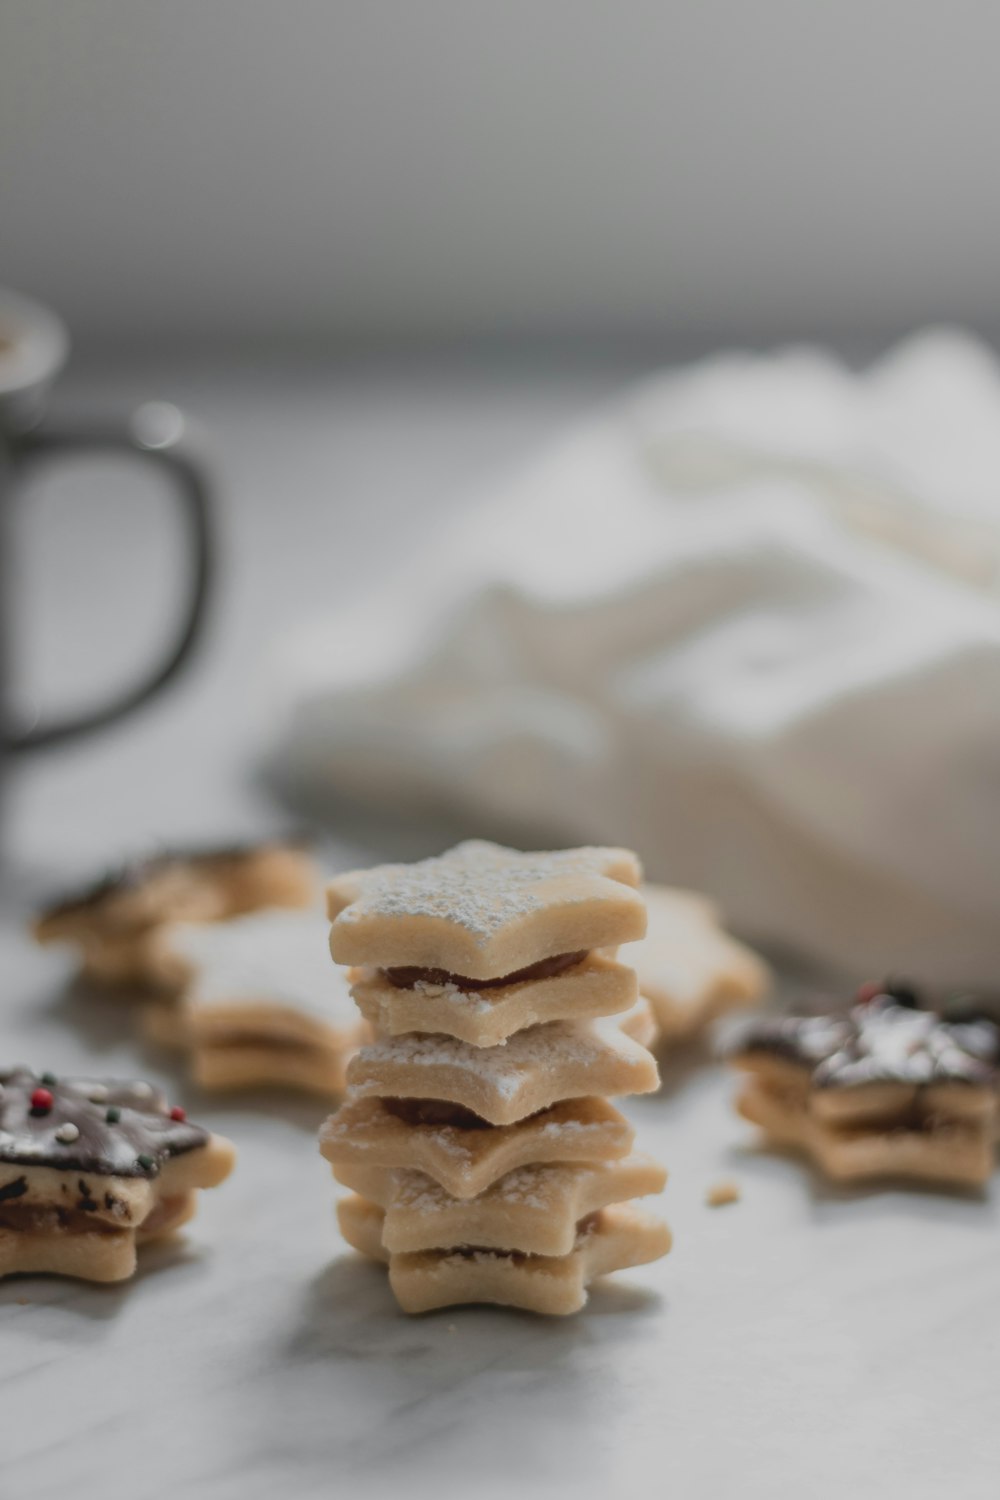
544,1188
478,886
274,957
473,1000
556,1128
506,1068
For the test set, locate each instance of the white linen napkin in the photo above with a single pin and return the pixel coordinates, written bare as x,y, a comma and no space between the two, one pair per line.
747,621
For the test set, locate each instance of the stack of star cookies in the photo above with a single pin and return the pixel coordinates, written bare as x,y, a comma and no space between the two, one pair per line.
486,1162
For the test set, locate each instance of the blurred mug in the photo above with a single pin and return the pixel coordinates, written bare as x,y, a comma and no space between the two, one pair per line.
33,349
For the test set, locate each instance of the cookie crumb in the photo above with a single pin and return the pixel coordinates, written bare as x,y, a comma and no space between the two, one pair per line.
721,1193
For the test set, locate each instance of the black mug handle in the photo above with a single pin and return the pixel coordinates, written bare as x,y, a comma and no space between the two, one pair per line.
153,433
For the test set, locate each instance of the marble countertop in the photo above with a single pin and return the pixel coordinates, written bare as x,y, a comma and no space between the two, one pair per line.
804,1341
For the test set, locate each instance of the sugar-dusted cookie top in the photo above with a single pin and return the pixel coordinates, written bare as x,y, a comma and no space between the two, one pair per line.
108,1128
275,961
481,911
533,1209
882,1040
531,1071
465,1158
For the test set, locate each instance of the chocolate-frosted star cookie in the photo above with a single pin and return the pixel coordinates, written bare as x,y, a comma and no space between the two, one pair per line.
483,912
886,1089
118,923
90,1168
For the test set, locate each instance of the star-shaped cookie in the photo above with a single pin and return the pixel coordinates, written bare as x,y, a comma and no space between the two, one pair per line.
485,1013
462,1154
90,1168
483,912
608,1241
884,1090
118,922
264,1006
690,970
533,1070
534,1209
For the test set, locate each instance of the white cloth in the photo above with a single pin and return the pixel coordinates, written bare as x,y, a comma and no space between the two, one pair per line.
746,621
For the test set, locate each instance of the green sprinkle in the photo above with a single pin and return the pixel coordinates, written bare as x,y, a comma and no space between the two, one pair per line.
146,1162
113,1115
48,1078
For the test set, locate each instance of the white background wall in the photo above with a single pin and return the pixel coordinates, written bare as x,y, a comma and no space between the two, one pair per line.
687,168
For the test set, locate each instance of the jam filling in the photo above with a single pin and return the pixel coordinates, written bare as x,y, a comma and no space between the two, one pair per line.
434,1112
588,1223
585,1226
546,968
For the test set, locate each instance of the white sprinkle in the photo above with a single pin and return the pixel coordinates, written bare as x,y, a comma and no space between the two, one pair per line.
507,1067
268,960
68,1133
478,886
97,1093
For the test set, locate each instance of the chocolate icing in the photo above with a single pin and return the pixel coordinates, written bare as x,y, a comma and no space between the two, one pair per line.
138,1139
903,992
545,968
882,1041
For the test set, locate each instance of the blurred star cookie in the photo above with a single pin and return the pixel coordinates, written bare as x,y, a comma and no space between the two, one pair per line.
483,912
885,1090
118,923
610,1240
264,1005
639,1023
689,969
90,1169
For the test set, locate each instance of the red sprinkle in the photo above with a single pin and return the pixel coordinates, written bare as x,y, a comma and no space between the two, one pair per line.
866,994
41,1101
177,1113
